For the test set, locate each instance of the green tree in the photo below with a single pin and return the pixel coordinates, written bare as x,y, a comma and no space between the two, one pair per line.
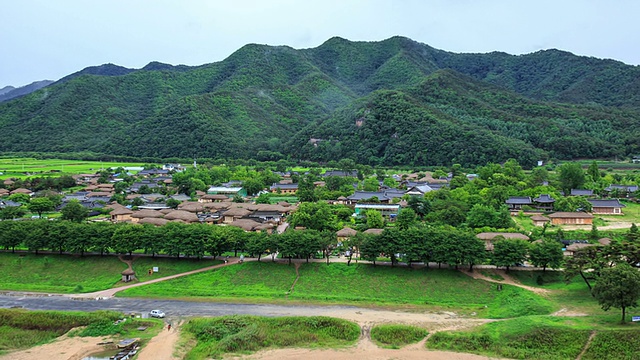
74,211
374,219
12,212
19,197
253,186
172,203
315,216
371,184
509,253
593,171
570,176
406,218
547,253
618,287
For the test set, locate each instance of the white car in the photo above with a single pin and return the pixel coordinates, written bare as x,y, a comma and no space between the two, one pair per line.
156,313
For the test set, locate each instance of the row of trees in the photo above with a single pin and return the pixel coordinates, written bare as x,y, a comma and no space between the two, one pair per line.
443,245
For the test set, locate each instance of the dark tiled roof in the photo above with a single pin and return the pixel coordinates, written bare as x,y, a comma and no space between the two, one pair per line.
544,198
519,200
606,203
581,192
627,188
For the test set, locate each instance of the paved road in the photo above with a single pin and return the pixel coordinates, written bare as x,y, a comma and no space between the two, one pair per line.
173,308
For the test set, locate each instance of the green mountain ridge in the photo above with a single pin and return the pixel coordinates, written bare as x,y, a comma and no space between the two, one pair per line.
417,105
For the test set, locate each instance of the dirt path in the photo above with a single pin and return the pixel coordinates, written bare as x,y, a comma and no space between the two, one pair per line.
586,346
162,346
613,224
111,292
507,280
63,348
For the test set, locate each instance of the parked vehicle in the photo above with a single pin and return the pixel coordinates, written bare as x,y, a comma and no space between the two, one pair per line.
156,313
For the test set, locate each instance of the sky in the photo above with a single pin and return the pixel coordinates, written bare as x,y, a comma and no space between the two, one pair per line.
45,39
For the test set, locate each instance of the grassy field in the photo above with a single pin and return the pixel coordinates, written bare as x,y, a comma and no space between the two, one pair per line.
28,167
363,284
396,336
21,329
535,337
245,334
614,345
250,280
69,274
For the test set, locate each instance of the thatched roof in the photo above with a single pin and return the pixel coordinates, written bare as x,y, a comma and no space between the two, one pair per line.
182,215
4,191
374,231
153,221
492,235
128,272
121,211
604,241
346,232
577,246
99,194
237,212
217,205
147,213
191,206
165,211
245,224
264,226
21,191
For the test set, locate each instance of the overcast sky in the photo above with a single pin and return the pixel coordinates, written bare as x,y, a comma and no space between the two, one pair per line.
48,39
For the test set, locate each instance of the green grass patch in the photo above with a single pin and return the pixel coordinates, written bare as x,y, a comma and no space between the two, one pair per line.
19,167
22,329
59,273
396,336
249,280
492,275
245,334
614,345
342,284
533,337
70,274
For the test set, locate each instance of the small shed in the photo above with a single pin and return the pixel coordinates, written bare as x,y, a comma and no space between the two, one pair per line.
128,275
539,220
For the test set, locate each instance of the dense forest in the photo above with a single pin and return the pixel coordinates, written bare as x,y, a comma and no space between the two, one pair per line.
393,102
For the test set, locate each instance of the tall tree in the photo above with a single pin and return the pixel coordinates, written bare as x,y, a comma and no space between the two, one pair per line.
40,205
547,253
570,176
74,211
618,287
509,253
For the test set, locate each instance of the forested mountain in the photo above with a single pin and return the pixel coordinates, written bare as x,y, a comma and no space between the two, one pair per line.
390,102
9,92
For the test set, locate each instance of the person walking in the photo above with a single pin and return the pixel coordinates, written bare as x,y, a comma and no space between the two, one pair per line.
169,327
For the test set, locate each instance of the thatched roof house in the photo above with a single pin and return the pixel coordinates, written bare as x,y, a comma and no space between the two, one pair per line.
153,221
373,231
120,214
146,213
539,220
346,232
182,215
245,224
191,206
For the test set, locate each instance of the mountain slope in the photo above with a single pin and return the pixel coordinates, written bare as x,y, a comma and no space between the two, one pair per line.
417,105
9,92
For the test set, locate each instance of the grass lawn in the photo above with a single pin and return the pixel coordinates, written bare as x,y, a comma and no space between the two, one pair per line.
78,274
252,280
396,336
363,284
18,167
